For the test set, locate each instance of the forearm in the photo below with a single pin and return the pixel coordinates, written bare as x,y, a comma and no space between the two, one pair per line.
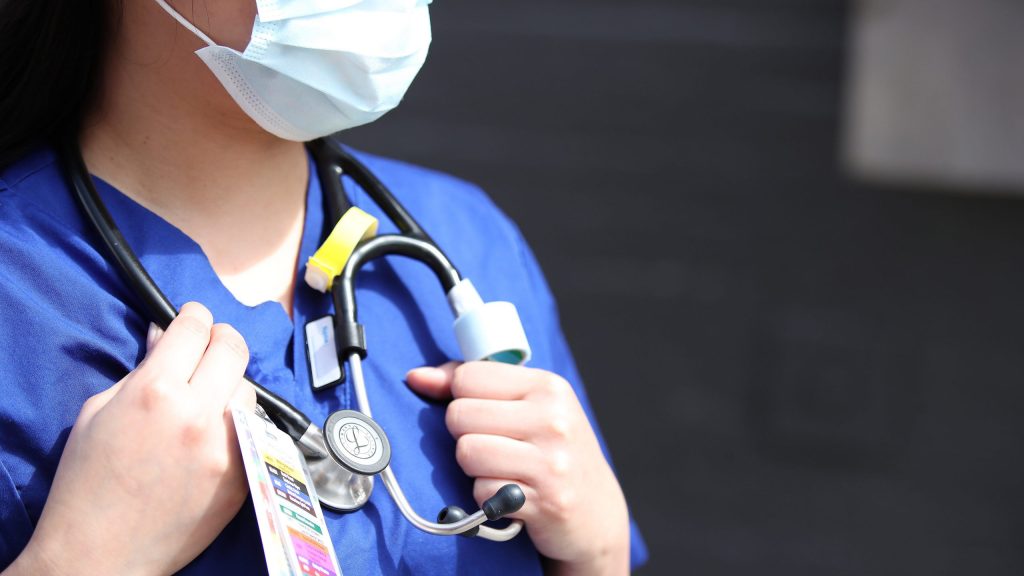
30,563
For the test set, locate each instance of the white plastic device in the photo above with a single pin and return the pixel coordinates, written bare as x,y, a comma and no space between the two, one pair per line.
487,330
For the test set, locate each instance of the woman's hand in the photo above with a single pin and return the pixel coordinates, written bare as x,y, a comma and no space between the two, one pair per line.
522,425
152,471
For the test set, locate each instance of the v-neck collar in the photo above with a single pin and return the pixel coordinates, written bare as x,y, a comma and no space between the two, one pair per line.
183,272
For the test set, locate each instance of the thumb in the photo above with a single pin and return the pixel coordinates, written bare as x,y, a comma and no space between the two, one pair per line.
433,382
97,402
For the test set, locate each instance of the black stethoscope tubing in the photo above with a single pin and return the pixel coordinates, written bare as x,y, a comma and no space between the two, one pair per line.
332,161
340,486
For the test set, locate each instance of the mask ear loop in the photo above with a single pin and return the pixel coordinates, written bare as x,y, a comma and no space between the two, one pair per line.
184,22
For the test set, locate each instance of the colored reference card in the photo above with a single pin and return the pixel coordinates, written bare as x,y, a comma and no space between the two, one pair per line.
295,538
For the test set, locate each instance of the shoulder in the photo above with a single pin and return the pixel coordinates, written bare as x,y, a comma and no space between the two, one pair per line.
55,279
433,195
42,232
401,175
481,240
35,179
65,328
483,243
457,214
37,211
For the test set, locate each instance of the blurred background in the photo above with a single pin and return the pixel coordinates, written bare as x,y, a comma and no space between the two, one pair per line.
788,259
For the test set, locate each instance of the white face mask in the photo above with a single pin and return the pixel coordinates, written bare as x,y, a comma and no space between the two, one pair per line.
315,67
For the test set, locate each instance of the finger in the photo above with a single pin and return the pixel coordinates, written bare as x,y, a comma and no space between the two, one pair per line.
176,354
244,396
511,418
222,367
492,380
432,382
97,402
484,488
484,455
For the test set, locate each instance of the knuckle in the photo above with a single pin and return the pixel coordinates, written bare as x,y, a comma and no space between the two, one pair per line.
561,503
481,492
453,417
558,424
192,433
559,464
193,324
197,311
246,395
553,385
226,335
155,394
465,451
460,379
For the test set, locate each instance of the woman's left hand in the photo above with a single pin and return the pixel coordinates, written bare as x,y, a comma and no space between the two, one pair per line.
523,425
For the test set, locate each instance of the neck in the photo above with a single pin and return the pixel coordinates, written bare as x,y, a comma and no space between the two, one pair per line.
166,134
189,170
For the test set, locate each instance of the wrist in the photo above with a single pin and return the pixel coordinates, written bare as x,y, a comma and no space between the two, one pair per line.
50,553
607,562
31,562
609,557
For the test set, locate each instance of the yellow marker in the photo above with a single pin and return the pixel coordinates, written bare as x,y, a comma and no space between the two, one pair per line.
329,260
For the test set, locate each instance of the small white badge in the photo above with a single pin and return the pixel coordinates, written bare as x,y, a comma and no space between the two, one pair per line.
322,354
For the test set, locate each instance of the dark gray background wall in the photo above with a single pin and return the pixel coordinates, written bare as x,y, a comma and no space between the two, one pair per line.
797,374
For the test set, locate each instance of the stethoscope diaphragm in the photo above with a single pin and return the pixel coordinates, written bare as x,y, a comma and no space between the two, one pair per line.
357,442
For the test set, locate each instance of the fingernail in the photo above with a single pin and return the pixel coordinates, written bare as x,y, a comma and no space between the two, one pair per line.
152,335
425,372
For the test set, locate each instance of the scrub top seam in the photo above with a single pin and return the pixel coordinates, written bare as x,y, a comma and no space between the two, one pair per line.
30,173
40,210
32,203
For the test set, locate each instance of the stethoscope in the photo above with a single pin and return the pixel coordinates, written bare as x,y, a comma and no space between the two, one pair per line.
351,449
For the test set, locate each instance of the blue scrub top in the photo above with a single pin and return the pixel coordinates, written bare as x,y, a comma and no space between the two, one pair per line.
70,327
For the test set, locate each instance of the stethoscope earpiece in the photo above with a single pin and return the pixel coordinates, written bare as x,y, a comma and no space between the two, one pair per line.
453,514
507,500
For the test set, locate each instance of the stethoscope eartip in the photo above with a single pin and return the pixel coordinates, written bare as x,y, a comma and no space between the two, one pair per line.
507,500
453,514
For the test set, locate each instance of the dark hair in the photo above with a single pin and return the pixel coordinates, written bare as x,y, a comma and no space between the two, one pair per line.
50,53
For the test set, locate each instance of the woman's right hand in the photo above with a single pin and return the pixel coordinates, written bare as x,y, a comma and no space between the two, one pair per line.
152,471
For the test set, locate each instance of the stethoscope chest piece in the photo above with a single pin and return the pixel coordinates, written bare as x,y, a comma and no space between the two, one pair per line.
357,442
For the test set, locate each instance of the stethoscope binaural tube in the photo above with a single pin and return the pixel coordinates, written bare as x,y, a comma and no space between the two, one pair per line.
351,343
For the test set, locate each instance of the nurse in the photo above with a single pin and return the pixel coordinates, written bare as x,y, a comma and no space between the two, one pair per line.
116,452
